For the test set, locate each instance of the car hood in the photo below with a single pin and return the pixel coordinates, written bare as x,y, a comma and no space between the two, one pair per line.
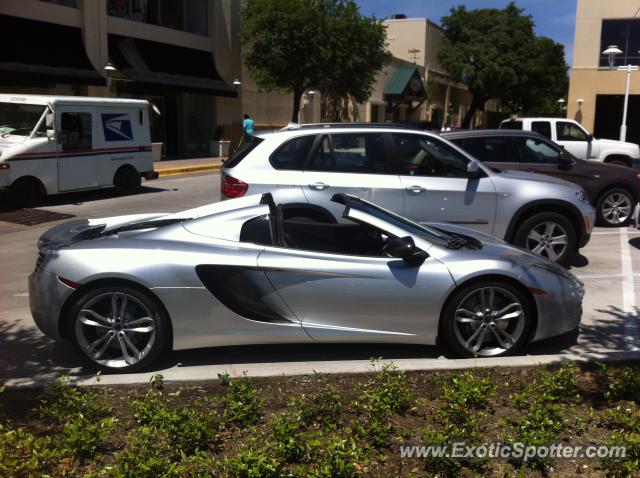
614,142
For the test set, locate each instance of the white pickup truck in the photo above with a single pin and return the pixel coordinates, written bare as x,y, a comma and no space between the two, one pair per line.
574,138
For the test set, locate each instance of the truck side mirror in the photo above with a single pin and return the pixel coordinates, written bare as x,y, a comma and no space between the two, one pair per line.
49,120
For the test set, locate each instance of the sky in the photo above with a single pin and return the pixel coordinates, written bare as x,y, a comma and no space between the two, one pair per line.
553,18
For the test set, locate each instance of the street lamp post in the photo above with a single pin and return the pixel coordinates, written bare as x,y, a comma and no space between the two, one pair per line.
612,51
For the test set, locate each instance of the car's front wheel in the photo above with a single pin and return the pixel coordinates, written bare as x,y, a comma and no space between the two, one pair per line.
487,319
118,328
615,207
548,234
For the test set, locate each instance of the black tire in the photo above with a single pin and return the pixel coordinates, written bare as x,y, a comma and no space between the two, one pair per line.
453,339
127,181
150,343
537,224
25,192
607,199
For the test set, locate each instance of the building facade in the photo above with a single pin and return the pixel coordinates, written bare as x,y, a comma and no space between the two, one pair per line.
596,92
184,56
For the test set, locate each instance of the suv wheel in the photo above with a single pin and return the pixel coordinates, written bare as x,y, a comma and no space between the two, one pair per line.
548,234
614,207
25,192
487,319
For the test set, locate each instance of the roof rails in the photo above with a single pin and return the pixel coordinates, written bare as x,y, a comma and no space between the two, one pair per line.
296,126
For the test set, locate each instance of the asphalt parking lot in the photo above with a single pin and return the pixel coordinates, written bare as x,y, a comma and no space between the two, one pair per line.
609,266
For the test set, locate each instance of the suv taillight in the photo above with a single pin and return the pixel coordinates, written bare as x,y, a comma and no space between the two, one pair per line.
232,187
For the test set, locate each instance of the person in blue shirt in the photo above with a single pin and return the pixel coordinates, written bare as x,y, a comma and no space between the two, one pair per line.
247,125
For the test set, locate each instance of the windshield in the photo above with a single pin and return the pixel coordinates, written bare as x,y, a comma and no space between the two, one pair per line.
20,119
428,233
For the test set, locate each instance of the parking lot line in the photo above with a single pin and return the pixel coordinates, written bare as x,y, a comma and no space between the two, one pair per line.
631,331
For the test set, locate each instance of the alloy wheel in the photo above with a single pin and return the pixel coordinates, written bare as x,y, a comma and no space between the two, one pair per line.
115,329
489,321
616,208
547,239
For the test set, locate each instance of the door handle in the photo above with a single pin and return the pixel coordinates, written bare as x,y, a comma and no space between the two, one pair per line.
318,186
415,189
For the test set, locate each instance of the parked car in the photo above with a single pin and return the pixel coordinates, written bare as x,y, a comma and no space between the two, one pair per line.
55,144
249,272
578,141
613,190
416,174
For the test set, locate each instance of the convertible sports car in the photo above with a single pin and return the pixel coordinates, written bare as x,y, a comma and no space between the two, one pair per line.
246,271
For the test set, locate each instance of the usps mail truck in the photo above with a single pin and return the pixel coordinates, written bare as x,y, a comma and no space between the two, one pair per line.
55,144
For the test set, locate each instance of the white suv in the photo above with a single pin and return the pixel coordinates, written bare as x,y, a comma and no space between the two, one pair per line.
574,138
413,173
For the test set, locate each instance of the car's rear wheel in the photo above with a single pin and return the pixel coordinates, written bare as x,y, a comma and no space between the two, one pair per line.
548,234
615,207
487,319
118,328
127,180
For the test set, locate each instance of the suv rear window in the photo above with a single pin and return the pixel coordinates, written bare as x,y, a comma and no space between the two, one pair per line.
511,125
293,154
249,143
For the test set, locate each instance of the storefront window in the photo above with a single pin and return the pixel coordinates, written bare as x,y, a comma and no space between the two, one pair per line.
625,34
187,15
65,3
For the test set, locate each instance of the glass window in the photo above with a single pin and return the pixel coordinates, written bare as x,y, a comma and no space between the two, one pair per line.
491,150
65,3
541,127
293,154
569,132
420,155
511,125
625,34
350,153
186,15
536,151
75,131
248,145
20,119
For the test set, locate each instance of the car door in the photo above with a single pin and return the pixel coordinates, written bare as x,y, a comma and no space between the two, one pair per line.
543,157
354,163
77,161
436,185
574,139
340,297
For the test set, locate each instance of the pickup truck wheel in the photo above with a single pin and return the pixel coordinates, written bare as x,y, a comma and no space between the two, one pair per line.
548,234
127,180
614,207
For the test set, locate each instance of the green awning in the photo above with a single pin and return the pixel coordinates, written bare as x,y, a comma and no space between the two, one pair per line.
399,81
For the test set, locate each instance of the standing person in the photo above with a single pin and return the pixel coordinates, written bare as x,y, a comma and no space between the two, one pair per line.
247,125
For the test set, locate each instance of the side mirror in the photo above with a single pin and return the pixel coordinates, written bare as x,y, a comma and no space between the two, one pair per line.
404,248
49,120
473,170
589,138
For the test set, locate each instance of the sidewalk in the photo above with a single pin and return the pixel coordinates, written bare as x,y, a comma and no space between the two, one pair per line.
186,166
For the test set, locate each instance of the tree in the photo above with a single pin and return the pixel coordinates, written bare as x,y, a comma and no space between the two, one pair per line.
295,45
497,55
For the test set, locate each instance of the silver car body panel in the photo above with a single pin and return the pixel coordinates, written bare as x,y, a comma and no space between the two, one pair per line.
308,296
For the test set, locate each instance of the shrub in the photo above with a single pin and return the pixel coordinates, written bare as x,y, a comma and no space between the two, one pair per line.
339,459
82,438
253,463
24,454
624,384
386,393
61,402
323,407
466,389
241,402
289,445
626,466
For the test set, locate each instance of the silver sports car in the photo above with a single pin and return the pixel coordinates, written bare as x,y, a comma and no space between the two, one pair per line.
247,271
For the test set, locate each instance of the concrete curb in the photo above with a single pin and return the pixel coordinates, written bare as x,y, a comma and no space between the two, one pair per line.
287,369
187,169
